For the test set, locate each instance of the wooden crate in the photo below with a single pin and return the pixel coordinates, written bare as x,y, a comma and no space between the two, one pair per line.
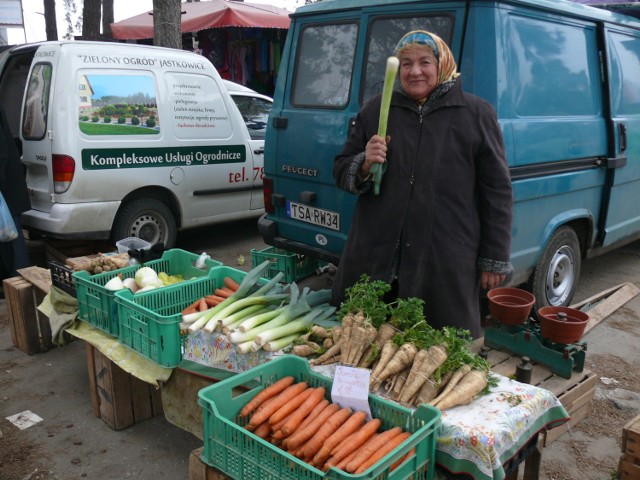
117,397
30,329
629,466
198,470
575,393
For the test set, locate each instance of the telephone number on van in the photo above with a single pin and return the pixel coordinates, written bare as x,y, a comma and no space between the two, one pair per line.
315,216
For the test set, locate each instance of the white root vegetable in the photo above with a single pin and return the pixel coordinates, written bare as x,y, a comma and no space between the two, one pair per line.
453,381
401,360
429,362
389,349
464,392
385,332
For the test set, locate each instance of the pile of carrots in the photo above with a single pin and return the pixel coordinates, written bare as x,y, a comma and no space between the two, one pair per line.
217,296
300,420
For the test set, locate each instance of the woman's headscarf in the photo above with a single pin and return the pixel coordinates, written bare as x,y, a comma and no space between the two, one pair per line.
446,64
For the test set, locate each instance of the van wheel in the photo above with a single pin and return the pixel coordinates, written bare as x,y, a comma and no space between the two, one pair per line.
148,219
556,277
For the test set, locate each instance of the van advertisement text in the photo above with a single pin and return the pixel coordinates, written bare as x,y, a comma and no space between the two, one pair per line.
144,62
105,159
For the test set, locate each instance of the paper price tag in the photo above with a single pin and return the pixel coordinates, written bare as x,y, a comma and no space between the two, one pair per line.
351,389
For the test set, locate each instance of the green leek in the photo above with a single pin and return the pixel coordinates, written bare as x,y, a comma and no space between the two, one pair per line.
387,90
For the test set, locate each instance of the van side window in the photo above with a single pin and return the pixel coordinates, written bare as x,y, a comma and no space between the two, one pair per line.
625,82
324,65
36,106
255,113
197,105
383,37
113,104
552,65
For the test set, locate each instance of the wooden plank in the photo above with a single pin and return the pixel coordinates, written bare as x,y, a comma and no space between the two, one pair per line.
576,417
22,315
597,297
558,385
631,437
93,387
39,277
629,471
605,308
141,400
121,397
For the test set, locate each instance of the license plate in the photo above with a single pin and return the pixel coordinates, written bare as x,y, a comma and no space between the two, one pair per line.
315,216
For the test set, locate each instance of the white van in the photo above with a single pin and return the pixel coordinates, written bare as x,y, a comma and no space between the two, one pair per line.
124,140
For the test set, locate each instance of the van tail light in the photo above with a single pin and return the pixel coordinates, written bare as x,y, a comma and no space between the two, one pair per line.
64,167
267,190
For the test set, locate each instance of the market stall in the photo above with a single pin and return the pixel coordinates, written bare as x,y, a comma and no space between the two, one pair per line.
484,438
244,41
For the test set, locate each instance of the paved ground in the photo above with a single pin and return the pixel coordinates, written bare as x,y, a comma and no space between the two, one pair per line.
71,443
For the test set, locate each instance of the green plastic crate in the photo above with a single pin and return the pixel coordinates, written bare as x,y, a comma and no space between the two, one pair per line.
96,304
233,450
295,267
149,322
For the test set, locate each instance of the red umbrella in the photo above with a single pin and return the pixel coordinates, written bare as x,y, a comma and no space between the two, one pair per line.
202,15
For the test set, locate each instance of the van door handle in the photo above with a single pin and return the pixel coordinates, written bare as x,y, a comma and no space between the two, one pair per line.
259,151
622,137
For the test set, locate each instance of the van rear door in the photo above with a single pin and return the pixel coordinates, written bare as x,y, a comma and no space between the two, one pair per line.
317,97
36,127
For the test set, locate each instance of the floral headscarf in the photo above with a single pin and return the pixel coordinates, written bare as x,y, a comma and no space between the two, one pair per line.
446,64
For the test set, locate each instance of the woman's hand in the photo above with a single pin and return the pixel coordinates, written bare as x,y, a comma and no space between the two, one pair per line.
489,280
375,152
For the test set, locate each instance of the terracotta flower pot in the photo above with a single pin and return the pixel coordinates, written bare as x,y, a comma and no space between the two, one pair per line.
562,324
510,306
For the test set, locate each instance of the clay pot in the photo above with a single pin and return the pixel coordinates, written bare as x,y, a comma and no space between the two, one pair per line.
562,324
510,306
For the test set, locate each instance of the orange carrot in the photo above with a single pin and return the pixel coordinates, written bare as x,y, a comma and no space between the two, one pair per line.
382,451
353,423
221,292
306,407
278,426
401,460
228,290
269,392
325,431
263,430
231,283
356,439
342,464
191,308
364,454
314,413
213,300
304,434
203,305
291,405
264,411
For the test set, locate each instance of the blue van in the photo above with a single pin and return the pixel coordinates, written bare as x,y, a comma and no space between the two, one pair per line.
564,79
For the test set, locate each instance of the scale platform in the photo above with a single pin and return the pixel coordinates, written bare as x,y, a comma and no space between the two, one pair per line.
526,340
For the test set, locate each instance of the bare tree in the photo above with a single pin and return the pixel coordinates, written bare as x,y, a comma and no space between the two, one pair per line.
69,10
91,20
167,26
107,18
50,23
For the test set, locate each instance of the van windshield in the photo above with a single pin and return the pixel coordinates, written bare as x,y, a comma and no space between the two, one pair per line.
326,53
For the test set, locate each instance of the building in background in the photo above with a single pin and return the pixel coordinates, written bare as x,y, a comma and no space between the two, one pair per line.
10,16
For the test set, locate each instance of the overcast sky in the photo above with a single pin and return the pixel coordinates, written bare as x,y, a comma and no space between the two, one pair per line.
34,21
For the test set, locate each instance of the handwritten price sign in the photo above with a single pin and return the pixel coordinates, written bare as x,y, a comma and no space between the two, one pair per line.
351,389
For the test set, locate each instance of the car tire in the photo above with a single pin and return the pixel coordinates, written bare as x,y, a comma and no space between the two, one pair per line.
146,218
555,279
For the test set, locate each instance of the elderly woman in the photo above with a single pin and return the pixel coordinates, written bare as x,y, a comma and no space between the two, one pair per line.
441,226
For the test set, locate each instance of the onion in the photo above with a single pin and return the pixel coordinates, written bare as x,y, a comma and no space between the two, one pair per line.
147,276
114,284
131,284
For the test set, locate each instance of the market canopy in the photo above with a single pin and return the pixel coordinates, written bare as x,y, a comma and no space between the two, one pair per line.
207,14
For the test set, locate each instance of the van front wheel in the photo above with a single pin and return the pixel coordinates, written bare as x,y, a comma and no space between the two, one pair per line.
556,277
145,218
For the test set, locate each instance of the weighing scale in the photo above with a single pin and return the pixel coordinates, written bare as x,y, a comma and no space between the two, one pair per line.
527,340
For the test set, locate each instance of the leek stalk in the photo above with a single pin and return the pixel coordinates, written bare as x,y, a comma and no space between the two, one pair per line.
387,90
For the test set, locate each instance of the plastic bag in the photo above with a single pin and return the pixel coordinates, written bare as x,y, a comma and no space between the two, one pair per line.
8,231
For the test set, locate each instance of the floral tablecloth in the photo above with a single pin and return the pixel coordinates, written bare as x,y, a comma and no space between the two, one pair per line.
479,438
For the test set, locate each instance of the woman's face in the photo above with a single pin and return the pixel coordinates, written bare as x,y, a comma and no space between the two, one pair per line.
418,71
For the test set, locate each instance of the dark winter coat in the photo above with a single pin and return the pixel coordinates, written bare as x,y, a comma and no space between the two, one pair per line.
445,200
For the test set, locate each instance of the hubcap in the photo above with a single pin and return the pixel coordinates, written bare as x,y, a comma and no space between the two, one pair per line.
560,277
149,228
